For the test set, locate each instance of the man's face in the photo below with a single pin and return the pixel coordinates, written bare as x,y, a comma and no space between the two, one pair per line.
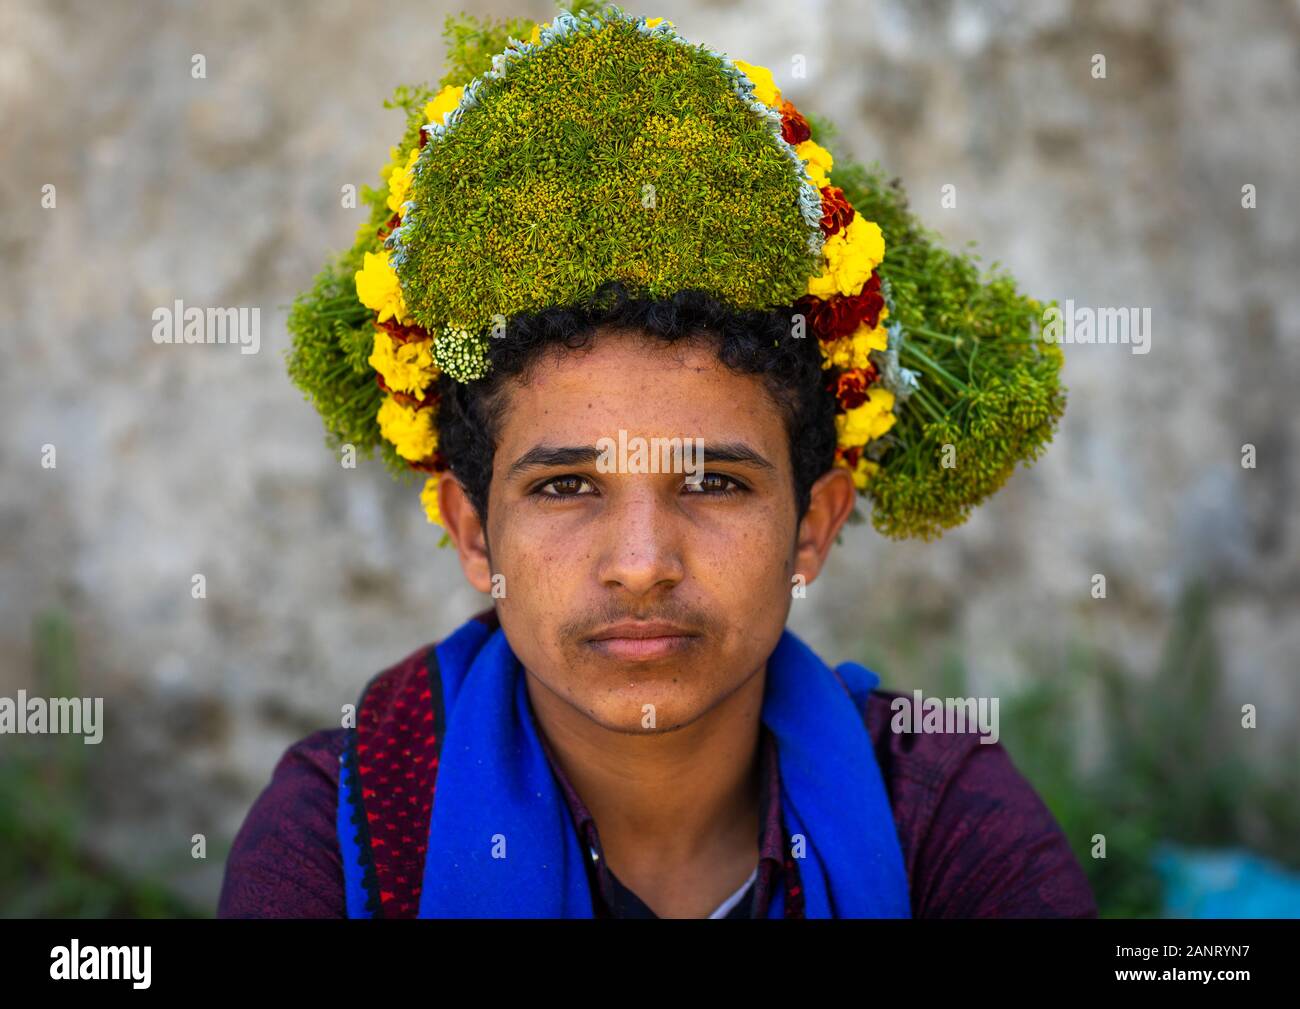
582,549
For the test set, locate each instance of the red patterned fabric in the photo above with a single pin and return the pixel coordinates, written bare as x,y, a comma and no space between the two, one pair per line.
398,734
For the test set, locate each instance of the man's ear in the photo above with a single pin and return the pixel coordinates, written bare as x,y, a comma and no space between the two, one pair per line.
830,505
466,531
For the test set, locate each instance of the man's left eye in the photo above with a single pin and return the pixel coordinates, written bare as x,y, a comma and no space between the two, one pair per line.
714,483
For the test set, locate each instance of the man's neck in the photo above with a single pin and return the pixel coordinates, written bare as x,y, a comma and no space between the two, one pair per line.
677,812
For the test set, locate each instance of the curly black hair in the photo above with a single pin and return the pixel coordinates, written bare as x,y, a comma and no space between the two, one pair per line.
747,342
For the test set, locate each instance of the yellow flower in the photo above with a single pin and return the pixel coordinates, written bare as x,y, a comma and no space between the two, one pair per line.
446,100
853,351
651,22
866,422
849,257
399,181
411,431
862,472
406,367
378,288
429,498
866,469
819,162
765,89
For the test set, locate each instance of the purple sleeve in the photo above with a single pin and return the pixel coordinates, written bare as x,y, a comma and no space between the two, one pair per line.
992,849
977,840
285,860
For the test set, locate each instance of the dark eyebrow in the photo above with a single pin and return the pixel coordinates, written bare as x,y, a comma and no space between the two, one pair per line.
551,456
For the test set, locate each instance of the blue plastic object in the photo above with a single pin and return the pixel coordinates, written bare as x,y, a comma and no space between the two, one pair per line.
1232,883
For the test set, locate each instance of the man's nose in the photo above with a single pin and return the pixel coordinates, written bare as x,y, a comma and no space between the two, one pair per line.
641,544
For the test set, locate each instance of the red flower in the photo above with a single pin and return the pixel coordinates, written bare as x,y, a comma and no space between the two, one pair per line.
403,334
794,127
850,455
393,223
405,398
851,387
840,315
436,463
836,210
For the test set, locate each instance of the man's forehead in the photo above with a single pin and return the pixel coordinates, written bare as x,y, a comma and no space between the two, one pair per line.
643,385
625,350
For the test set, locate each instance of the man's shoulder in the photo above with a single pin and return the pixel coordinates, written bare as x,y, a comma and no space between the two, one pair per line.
977,839
923,767
382,691
386,692
941,746
918,768
317,752
285,861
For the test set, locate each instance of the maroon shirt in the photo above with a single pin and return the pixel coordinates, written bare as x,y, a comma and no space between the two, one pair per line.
977,841
612,899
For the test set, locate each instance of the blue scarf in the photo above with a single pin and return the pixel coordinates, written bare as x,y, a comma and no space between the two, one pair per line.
502,843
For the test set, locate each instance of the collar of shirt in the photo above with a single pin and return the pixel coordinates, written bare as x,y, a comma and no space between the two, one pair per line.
771,832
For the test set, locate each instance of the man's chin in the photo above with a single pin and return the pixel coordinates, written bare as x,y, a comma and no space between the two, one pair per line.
642,701
658,721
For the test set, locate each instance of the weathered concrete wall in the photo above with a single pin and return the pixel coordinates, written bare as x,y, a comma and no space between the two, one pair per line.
177,460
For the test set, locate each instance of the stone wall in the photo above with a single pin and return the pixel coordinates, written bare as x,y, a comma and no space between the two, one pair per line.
177,460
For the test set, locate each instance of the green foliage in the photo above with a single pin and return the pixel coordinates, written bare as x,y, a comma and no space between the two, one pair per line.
537,196
47,869
1175,763
1142,756
472,42
411,99
333,334
988,386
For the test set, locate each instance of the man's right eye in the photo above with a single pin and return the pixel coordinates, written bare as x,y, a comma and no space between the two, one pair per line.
564,486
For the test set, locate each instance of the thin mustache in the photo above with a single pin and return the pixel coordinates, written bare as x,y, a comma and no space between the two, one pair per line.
585,629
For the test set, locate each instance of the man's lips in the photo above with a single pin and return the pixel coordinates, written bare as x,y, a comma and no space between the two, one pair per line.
633,640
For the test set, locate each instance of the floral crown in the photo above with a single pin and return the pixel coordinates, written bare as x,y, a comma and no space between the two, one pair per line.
554,158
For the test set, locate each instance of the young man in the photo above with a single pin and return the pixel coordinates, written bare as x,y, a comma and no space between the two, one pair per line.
644,611
631,731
